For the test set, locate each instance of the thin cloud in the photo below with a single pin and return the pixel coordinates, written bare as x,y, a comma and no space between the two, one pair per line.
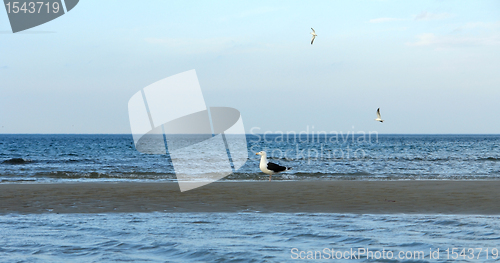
470,34
479,27
454,41
482,25
425,16
385,19
424,40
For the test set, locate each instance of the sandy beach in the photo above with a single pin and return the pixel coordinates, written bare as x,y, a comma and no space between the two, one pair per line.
421,197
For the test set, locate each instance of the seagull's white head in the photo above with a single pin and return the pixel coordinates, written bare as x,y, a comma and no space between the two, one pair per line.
261,153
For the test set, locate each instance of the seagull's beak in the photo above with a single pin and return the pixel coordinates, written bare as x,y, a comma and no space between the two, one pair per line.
256,153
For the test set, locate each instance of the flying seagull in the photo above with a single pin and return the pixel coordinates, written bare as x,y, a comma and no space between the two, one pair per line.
314,35
378,116
270,168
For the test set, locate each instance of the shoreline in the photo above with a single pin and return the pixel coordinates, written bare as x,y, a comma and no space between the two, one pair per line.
480,197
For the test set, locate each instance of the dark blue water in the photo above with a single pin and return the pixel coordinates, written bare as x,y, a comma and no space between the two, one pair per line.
376,157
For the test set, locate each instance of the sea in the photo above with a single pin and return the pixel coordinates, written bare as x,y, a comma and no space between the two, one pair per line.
71,158
251,236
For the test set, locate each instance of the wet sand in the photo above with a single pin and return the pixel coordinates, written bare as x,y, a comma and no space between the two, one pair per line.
360,197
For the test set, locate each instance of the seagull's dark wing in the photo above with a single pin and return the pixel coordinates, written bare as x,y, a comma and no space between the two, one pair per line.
275,168
378,112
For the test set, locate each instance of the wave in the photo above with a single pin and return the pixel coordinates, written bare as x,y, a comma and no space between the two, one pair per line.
172,176
257,176
98,175
17,161
492,159
50,161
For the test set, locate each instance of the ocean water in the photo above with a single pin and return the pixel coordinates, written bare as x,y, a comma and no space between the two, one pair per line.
248,237
251,237
57,158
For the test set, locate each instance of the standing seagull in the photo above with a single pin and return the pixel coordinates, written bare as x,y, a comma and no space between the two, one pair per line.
270,168
314,35
378,116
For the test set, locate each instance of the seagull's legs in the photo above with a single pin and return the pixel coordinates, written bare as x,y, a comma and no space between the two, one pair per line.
269,178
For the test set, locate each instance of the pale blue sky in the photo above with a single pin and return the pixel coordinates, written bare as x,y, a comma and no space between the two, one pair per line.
431,66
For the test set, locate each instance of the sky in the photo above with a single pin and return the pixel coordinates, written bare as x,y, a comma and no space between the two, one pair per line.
432,67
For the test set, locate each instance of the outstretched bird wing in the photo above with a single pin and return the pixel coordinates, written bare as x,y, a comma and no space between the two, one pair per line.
312,40
378,113
313,30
